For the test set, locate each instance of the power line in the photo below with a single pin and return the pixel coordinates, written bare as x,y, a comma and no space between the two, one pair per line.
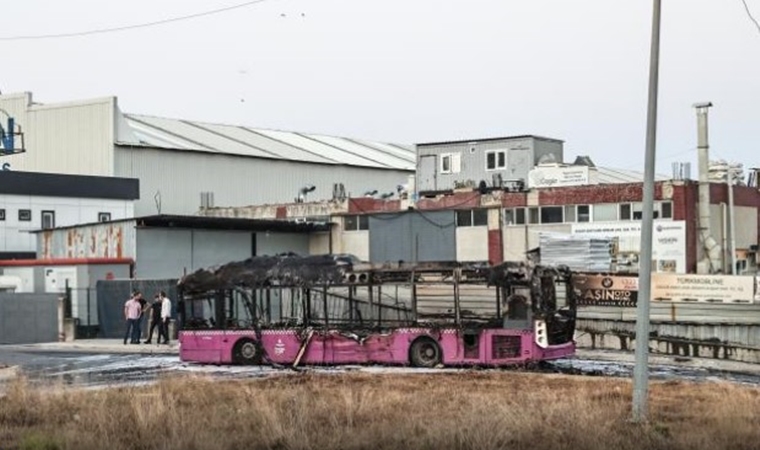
130,27
751,17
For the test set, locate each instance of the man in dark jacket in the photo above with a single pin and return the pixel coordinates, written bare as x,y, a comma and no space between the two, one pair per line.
155,318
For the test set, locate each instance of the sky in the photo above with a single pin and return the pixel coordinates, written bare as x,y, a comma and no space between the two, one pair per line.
409,71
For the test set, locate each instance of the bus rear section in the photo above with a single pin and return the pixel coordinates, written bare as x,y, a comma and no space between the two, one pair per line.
334,310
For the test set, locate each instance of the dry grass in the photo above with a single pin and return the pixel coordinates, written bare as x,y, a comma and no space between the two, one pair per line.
459,411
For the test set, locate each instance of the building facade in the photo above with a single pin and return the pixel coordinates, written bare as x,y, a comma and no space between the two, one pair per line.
169,246
445,166
504,226
183,165
32,201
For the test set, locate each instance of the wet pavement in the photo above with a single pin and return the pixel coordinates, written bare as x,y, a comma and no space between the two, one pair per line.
80,369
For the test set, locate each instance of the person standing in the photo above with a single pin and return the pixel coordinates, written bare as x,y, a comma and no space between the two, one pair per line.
143,307
155,319
132,312
166,315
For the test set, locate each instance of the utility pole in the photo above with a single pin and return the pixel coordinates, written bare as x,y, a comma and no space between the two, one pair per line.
641,370
731,174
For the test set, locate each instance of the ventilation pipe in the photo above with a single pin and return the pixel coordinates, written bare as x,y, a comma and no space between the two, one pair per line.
710,263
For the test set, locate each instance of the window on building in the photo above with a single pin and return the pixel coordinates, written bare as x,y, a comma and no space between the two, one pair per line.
355,223
533,215
48,220
570,213
666,210
451,162
2,214
638,211
104,217
464,218
479,217
584,213
605,212
509,217
520,216
496,159
446,163
25,215
472,217
551,214
625,211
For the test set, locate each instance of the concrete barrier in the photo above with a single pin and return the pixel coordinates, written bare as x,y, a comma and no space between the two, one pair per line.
734,342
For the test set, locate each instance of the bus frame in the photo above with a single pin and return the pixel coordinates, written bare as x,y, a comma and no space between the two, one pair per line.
335,310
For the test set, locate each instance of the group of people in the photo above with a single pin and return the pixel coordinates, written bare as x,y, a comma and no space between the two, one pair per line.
137,307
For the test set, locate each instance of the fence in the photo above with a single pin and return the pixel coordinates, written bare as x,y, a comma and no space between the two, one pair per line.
28,318
99,311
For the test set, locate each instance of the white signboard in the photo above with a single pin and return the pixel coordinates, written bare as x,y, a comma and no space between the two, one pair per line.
703,288
558,176
668,242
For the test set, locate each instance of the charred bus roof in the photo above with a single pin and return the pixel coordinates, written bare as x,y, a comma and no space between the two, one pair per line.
332,270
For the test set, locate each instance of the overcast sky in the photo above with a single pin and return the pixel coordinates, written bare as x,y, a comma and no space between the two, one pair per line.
411,71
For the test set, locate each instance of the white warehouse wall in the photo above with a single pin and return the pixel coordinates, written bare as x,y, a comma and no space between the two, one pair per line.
180,176
72,137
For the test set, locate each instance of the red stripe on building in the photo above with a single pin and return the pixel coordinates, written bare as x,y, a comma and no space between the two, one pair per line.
495,249
64,262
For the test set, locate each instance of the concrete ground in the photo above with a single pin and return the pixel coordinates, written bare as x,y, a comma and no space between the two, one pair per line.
116,346
110,346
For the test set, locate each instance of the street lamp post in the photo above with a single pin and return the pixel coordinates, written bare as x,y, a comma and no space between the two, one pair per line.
641,370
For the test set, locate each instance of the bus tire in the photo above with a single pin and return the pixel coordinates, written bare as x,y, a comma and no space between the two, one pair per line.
246,352
425,352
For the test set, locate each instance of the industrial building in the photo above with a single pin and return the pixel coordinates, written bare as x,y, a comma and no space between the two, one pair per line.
168,246
31,201
183,165
444,166
470,208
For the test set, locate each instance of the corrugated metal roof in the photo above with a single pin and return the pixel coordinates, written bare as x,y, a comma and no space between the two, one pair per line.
491,139
606,175
179,134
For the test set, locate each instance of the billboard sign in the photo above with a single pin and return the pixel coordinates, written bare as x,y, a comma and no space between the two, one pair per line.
605,290
668,242
703,288
558,176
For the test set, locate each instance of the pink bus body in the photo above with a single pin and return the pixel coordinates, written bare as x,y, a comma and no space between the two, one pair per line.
519,334
333,347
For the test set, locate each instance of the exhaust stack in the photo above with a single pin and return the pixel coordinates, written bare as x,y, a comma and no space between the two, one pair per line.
710,262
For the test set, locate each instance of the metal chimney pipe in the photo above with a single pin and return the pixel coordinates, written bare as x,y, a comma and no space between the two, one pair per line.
710,261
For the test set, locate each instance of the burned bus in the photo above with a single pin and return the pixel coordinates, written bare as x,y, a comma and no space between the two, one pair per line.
336,310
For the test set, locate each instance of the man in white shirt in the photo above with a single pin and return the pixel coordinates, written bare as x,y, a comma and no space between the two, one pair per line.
166,315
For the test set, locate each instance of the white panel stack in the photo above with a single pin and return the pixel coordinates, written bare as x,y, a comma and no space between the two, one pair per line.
577,253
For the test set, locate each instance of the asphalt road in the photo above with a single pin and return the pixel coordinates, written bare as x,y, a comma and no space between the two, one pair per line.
50,368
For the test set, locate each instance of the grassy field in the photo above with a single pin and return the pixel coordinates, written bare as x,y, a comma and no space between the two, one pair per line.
478,410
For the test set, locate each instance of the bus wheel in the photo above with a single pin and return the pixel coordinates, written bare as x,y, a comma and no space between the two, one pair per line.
425,352
246,351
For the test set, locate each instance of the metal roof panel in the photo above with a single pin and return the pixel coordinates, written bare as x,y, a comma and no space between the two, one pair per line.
179,134
365,151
